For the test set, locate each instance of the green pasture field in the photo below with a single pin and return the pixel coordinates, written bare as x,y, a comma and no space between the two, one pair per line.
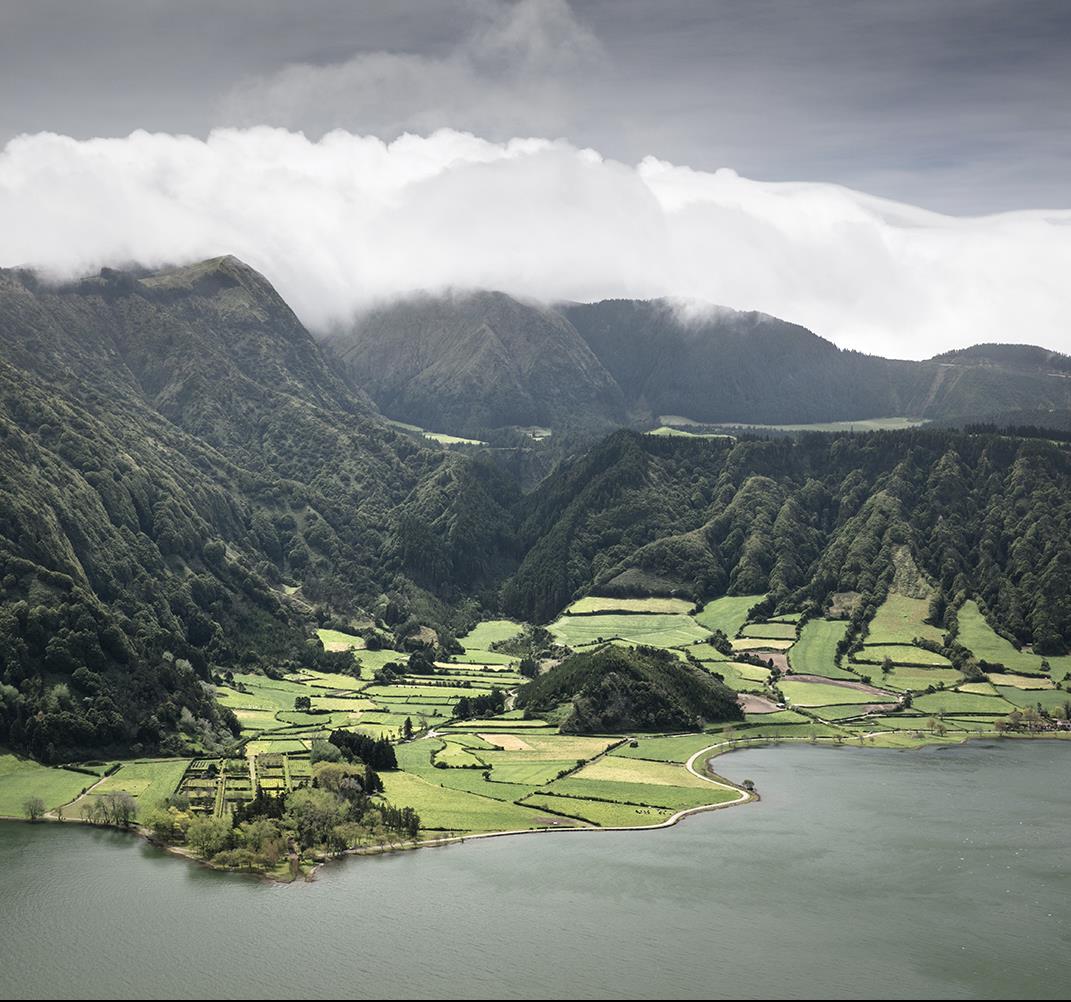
22,778
1020,681
483,657
547,746
899,620
838,712
666,748
915,679
149,781
900,654
454,755
336,640
728,613
951,701
597,812
754,644
986,644
770,631
530,774
824,694
814,652
601,604
490,631
863,424
443,809
737,678
327,680
656,629
644,794
641,771
1050,699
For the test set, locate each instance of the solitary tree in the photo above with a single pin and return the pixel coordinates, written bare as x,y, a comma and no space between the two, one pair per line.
33,808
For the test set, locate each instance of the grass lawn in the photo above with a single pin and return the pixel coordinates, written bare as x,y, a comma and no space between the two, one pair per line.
728,613
900,619
21,778
813,653
656,629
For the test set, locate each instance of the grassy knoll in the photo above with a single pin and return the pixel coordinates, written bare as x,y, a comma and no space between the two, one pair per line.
728,613
22,778
814,652
656,629
899,620
149,781
986,644
591,604
823,694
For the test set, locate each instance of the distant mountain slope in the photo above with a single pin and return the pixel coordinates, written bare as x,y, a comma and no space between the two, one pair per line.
982,514
184,477
724,366
469,361
1015,356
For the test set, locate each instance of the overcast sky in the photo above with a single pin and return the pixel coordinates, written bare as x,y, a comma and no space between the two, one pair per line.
960,107
957,105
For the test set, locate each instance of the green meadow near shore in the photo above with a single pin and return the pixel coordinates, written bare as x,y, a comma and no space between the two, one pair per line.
449,746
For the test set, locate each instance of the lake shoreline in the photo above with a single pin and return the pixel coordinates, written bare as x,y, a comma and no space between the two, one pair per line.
710,752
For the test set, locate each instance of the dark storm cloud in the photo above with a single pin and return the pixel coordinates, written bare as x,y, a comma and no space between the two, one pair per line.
960,106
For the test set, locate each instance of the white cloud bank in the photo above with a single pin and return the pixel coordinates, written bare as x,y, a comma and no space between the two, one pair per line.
348,220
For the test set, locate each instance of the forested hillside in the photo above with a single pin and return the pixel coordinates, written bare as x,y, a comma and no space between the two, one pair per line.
468,362
186,483
984,515
189,484
471,362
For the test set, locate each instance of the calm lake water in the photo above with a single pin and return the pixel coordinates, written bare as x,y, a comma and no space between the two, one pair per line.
936,873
